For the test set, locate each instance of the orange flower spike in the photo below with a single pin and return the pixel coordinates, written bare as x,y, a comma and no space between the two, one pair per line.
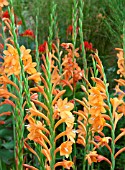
65,164
98,60
104,142
55,75
11,61
66,148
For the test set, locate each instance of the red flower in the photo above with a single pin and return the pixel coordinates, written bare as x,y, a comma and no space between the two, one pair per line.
6,14
42,47
28,33
70,30
19,22
88,46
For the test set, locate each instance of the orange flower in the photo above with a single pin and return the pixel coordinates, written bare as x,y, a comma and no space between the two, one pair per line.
11,61
3,3
97,123
92,157
95,96
66,148
115,103
35,77
27,60
121,62
66,164
121,109
69,118
64,105
71,134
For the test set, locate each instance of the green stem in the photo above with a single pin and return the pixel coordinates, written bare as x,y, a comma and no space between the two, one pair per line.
49,90
112,124
86,149
81,38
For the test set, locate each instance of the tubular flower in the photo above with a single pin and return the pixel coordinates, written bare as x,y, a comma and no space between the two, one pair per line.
121,108
92,157
71,134
11,61
69,118
66,164
64,105
66,148
27,60
121,62
97,123
3,3
73,72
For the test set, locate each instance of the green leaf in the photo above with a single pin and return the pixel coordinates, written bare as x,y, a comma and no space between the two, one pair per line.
8,145
79,95
6,156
